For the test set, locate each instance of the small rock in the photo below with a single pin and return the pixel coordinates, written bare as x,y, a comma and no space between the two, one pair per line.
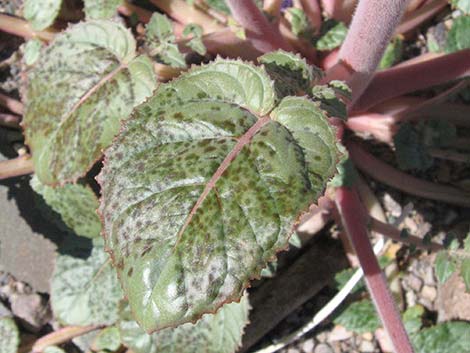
322,337
308,345
410,298
415,283
383,340
367,346
392,206
429,293
454,300
4,312
31,309
339,333
323,348
428,276
292,350
368,336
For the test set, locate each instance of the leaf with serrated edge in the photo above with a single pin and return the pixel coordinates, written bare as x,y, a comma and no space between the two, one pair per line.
202,188
85,291
108,339
443,338
9,335
41,14
101,9
83,85
214,333
75,203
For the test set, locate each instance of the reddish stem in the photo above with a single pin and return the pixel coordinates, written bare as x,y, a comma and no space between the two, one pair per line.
10,120
397,81
22,28
313,11
264,36
12,104
62,335
415,18
16,167
382,127
404,182
349,205
365,42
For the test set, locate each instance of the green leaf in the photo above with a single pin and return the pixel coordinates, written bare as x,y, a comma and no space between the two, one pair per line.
291,73
75,203
85,291
187,237
443,338
359,317
107,339
392,54
84,84
444,266
332,35
213,333
332,98
219,5
160,39
298,22
53,349
32,51
342,277
9,335
41,14
465,273
410,152
195,32
462,5
459,35
101,9
413,319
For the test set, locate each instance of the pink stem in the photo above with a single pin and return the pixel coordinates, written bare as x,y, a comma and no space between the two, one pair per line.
415,18
397,81
365,42
264,36
12,104
349,205
10,120
16,167
404,182
22,28
313,11
382,127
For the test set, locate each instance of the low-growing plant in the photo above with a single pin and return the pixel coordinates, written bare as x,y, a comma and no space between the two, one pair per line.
212,129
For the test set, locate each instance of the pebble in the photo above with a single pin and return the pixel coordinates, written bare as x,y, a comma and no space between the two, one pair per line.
410,298
368,336
392,206
323,348
292,350
339,333
308,345
429,293
415,283
367,346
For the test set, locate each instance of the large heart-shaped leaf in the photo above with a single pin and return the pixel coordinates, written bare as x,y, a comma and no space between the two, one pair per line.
85,291
214,333
76,204
205,184
83,85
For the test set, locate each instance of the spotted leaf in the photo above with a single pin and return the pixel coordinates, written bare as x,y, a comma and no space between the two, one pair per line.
85,291
84,84
101,9
214,333
205,184
76,204
41,14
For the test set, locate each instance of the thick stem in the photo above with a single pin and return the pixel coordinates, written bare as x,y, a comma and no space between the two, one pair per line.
397,81
382,127
12,104
22,28
181,11
402,181
62,335
348,204
372,27
264,36
415,18
15,167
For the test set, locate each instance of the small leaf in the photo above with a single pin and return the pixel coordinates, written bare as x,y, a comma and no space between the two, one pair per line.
32,51
459,35
213,333
41,14
75,203
465,273
169,212
444,266
219,5
108,339
443,338
85,291
346,176
392,54
101,9
298,22
195,32
462,5
332,35
413,319
9,335
87,80
291,73
359,317
332,98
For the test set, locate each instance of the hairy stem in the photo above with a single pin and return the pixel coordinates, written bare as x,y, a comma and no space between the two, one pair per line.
264,36
62,335
397,81
404,182
365,42
22,28
12,104
348,204
16,167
